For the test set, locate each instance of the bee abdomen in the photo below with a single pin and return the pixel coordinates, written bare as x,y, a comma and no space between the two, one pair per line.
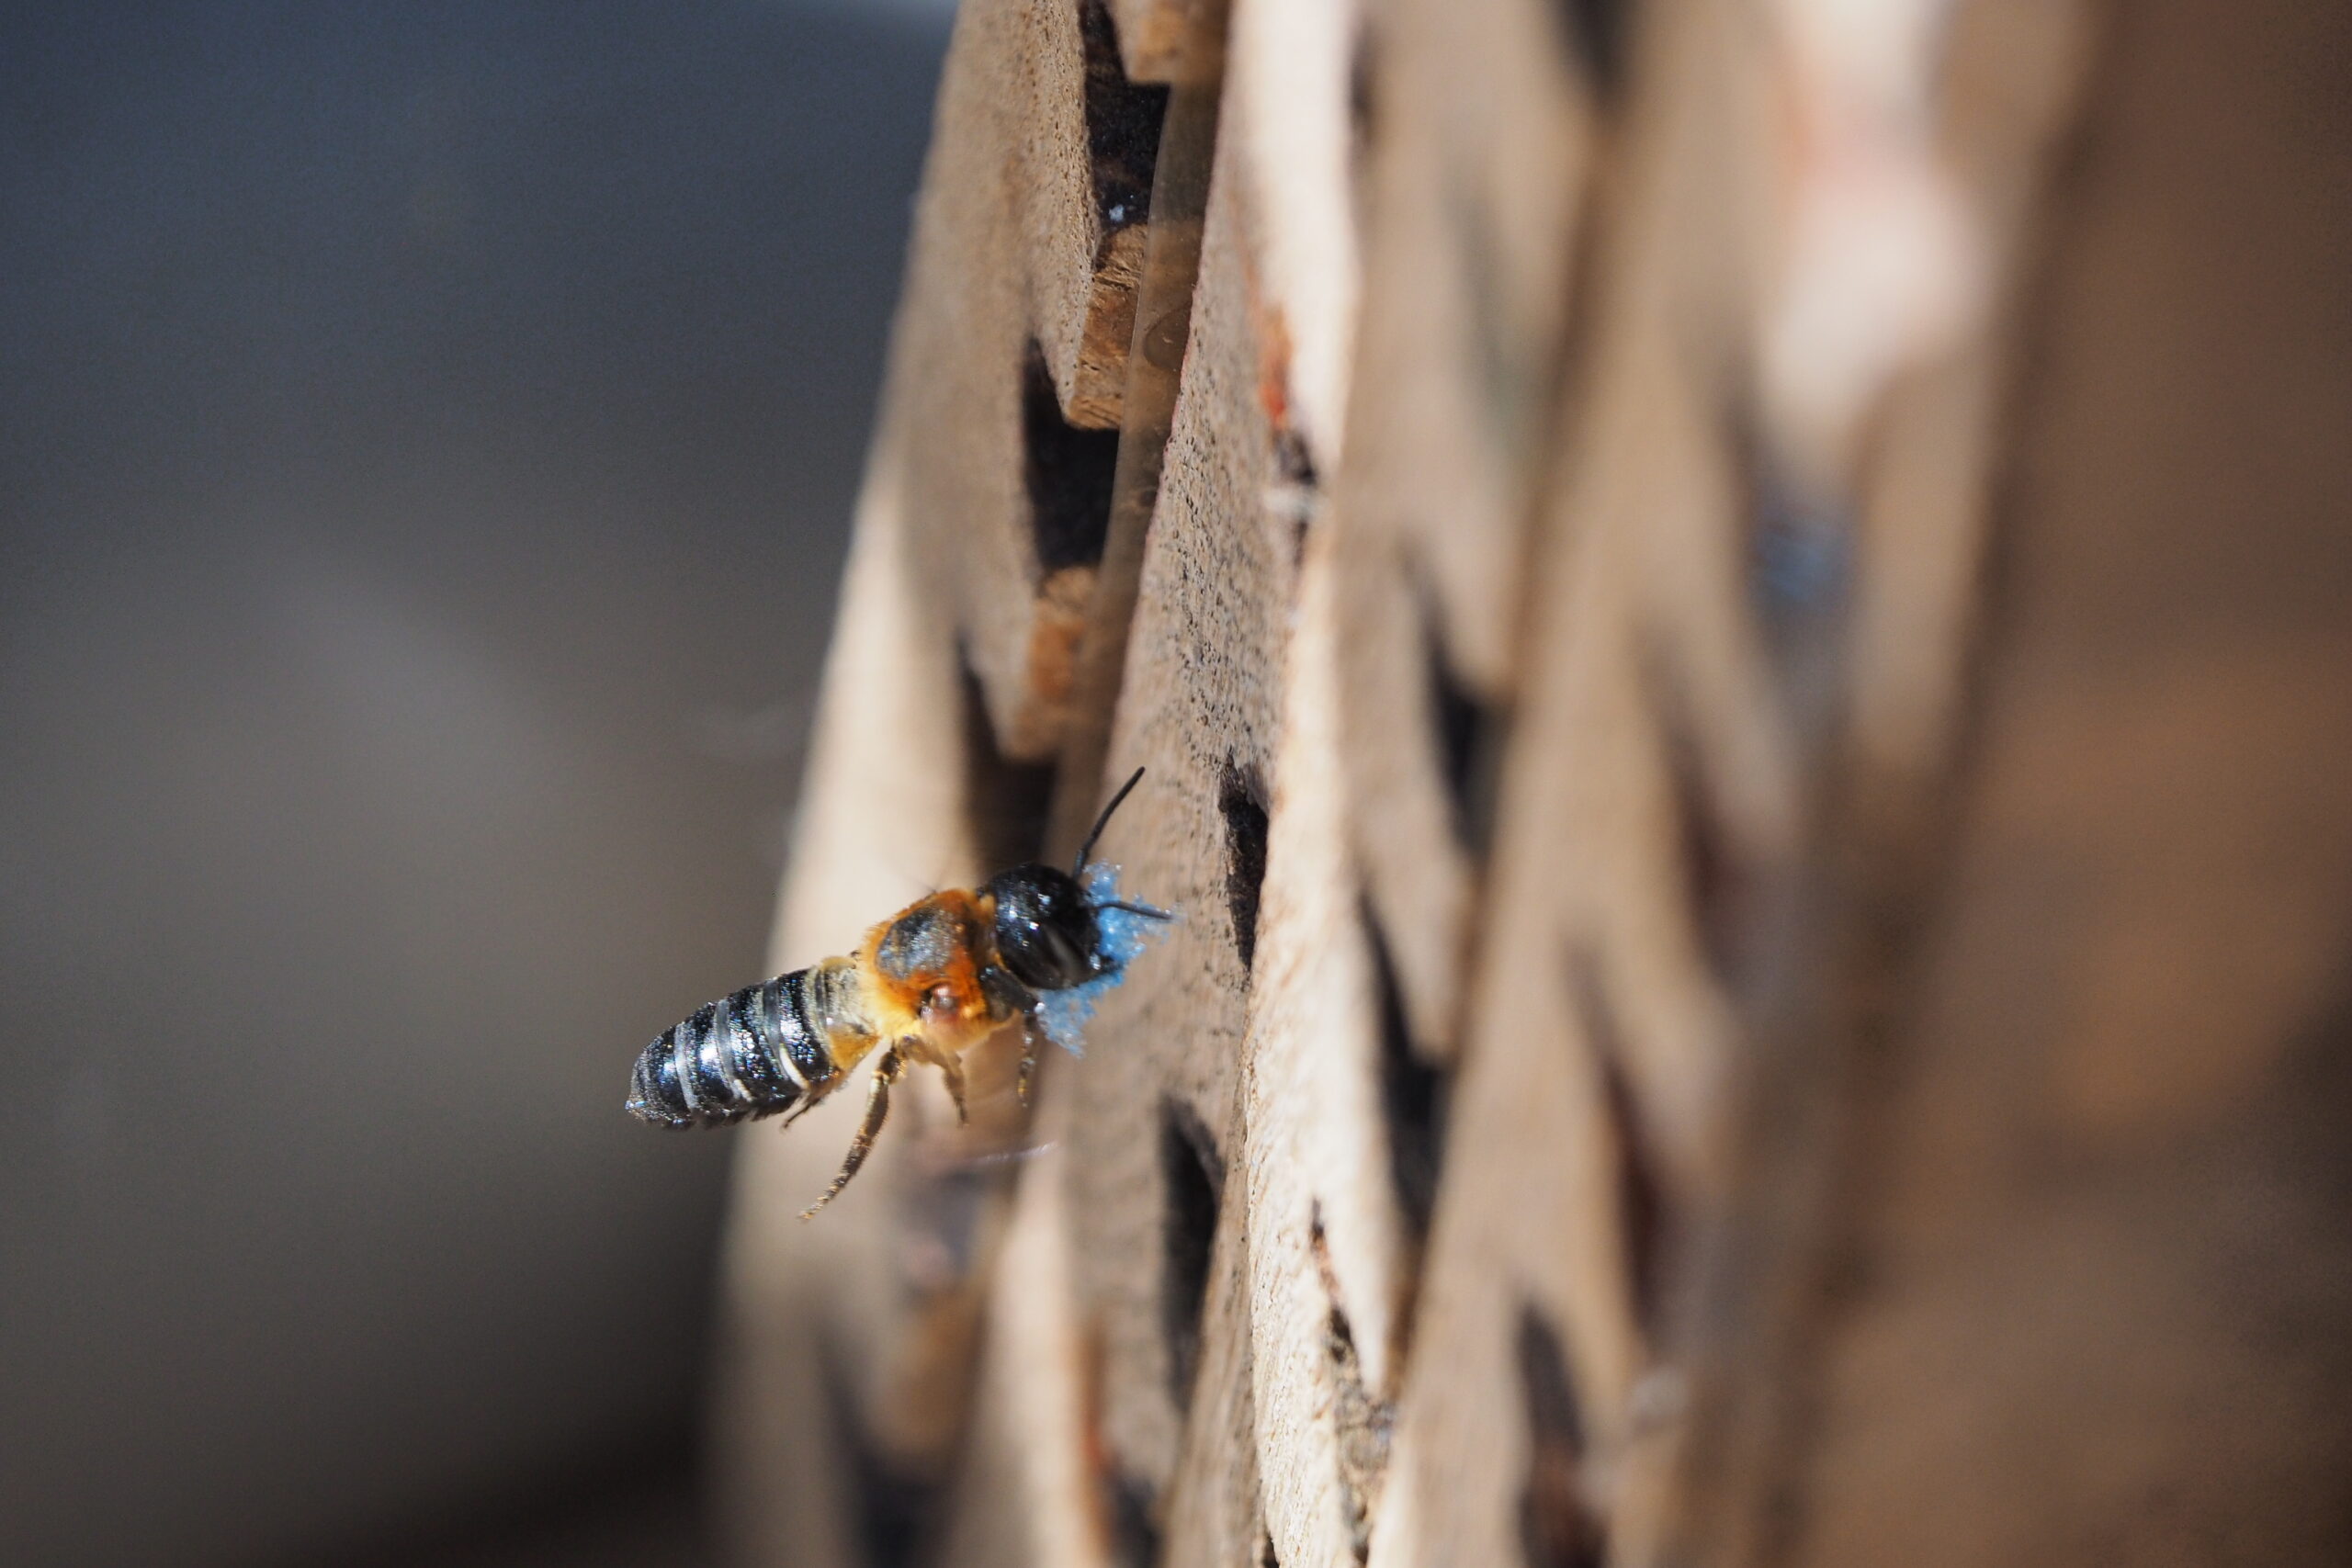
752,1054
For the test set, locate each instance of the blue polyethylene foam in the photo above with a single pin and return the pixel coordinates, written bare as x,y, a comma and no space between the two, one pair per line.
1065,1013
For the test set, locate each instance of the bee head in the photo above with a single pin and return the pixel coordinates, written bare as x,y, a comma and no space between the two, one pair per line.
1046,931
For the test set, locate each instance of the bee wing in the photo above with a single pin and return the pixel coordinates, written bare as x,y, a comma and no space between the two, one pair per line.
1006,1157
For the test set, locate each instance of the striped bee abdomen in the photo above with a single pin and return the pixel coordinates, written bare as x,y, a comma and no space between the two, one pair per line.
753,1053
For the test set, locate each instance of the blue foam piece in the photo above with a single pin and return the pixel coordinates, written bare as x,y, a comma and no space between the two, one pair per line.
1065,1013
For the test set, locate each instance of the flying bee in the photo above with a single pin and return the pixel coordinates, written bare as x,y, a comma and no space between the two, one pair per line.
1036,945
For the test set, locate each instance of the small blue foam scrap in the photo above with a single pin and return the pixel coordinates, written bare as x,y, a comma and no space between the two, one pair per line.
1124,933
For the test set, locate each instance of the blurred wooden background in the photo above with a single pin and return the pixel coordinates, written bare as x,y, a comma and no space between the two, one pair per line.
1740,614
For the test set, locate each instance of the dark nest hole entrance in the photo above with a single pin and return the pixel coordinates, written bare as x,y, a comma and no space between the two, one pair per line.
1067,471
1192,1177
1558,1528
1412,1091
1242,800
1006,803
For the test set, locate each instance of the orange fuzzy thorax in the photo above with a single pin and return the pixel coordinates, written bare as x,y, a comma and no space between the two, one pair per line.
921,968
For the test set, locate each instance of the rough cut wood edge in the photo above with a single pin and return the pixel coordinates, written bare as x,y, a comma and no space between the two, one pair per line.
1331,1256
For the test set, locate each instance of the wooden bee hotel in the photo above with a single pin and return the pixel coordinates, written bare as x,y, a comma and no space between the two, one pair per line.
1731,946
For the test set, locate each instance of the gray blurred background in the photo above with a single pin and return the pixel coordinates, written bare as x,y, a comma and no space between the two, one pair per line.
427,436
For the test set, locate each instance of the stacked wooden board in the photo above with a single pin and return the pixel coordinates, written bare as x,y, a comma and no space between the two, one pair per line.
1735,611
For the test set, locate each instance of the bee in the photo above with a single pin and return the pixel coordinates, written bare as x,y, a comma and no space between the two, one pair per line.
1034,945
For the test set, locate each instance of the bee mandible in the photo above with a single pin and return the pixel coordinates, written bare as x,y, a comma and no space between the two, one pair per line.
1034,945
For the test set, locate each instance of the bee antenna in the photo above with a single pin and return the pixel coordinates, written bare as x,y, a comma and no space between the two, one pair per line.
1102,821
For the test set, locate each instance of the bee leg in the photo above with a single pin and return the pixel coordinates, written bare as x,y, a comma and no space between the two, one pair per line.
1028,1057
877,1110
807,1103
953,1070
1009,999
